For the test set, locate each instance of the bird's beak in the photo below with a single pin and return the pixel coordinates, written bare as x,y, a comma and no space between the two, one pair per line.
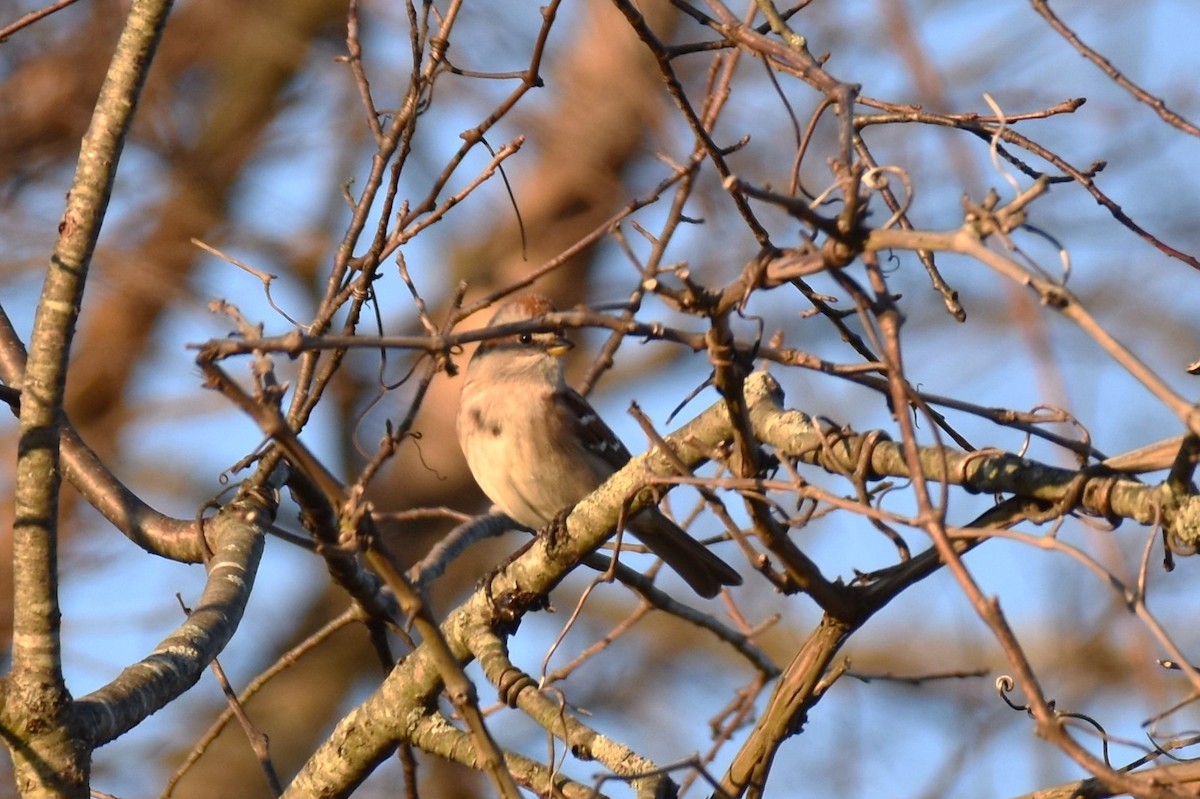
560,346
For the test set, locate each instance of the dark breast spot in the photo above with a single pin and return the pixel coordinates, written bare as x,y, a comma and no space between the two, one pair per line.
491,427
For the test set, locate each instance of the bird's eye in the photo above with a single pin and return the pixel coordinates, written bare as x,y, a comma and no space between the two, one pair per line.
525,338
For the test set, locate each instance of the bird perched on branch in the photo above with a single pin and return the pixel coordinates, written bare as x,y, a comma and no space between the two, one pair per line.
536,447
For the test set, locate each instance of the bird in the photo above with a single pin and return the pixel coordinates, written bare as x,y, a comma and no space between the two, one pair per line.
536,447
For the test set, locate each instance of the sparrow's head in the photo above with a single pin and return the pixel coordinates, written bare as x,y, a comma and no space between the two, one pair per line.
526,308
517,358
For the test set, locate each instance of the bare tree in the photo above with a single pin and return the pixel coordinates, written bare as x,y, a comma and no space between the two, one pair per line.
909,290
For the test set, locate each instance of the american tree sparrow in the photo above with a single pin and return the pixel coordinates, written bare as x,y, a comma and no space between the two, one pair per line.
536,447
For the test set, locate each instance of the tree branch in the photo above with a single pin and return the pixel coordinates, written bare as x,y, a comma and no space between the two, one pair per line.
36,699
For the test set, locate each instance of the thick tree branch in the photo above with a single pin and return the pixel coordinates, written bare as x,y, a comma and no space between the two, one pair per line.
50,757
177,539
236,537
